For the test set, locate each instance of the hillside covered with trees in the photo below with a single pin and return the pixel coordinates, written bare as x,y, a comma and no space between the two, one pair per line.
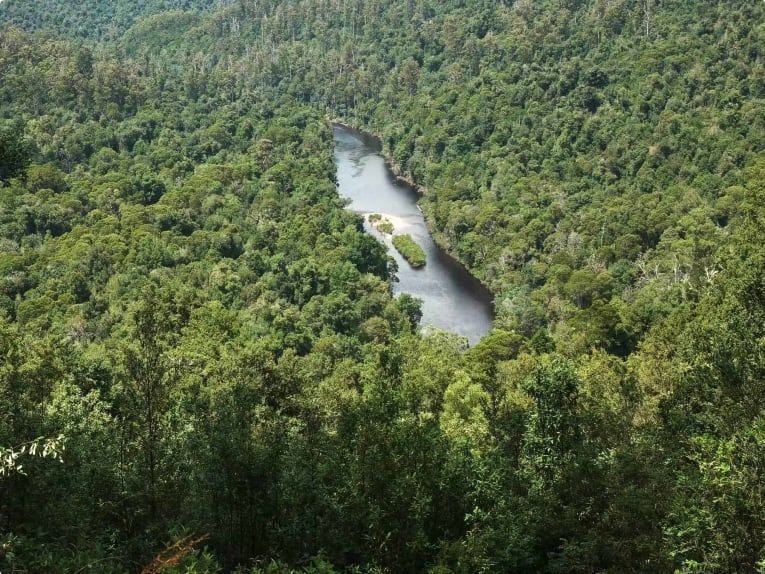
186,302
94,19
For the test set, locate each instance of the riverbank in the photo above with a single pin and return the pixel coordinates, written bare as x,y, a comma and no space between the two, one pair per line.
452,299
421,190
394,168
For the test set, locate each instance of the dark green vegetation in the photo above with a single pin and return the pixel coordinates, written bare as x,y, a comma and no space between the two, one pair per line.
184,298
412,252
100,20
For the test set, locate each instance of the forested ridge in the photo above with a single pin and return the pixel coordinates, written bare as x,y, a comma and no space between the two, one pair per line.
93,19
185,301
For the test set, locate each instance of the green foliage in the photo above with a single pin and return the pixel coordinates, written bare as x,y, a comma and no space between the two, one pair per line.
91,19
182,290
184,297
463,416
10,457
412,252
14,152
381,223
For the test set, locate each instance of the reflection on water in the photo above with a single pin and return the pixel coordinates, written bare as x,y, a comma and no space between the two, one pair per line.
452,299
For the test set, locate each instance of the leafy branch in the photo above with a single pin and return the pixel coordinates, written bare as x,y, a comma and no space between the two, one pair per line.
41,446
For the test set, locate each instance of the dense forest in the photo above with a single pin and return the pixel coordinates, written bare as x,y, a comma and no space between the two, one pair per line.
94,19
203,368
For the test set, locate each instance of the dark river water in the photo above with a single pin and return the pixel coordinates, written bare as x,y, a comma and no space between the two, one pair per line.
453,299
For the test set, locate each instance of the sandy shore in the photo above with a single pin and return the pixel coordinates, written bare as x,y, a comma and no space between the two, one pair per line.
400,222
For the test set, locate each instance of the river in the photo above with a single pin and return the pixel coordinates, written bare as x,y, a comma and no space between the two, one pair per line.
452,299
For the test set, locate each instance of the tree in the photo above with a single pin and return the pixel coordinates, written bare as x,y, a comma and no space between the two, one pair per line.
14,152
147,383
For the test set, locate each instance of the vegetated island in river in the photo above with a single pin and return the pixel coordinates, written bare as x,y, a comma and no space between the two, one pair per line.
384,225
412,252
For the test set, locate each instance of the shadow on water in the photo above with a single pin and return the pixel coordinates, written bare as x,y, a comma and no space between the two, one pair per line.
453,299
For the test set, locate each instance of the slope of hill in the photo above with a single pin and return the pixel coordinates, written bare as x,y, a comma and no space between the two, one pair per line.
183,297
93,20
574,154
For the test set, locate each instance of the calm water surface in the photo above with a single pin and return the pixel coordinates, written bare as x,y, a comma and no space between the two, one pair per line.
453,300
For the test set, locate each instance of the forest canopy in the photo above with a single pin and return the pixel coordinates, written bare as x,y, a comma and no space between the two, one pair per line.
203,341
